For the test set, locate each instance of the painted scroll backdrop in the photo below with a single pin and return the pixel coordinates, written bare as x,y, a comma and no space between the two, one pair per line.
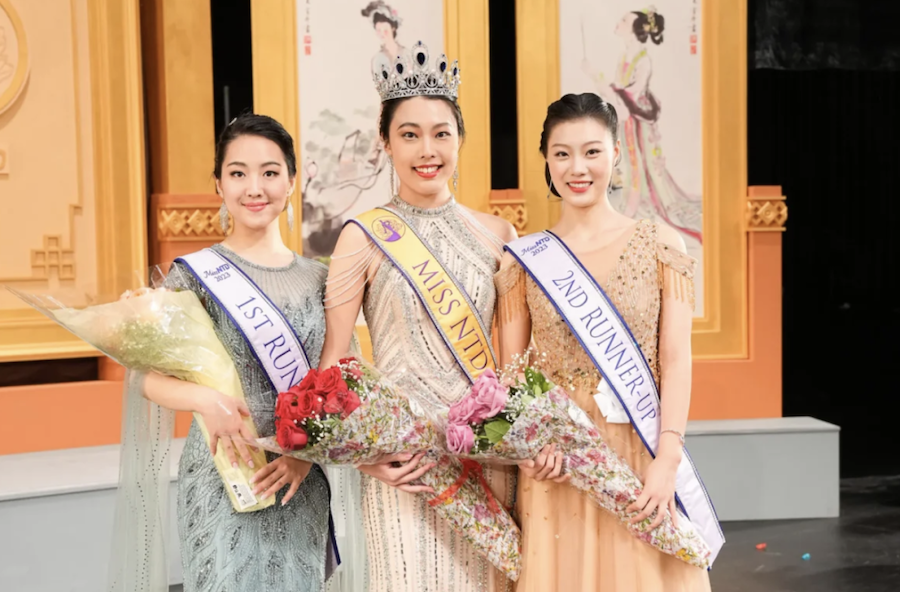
656,89
344,169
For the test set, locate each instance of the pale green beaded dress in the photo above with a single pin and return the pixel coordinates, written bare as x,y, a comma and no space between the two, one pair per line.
279,549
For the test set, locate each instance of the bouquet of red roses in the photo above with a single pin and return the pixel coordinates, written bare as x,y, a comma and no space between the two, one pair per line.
513,422
310,410
349,415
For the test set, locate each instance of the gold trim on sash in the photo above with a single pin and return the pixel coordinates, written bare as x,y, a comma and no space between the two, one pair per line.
446,302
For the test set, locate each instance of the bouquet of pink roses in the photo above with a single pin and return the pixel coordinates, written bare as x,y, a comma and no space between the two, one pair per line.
497,423
350,415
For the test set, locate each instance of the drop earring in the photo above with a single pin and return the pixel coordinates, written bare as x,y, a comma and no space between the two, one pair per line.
550,190
290,215
455,179
223,217
391,162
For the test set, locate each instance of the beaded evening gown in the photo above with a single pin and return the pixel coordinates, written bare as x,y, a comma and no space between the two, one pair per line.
278,549
570,544
410,548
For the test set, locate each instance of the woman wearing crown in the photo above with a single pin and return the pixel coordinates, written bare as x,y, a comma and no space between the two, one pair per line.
410,303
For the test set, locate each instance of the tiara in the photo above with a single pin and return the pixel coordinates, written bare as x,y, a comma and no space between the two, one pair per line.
413,77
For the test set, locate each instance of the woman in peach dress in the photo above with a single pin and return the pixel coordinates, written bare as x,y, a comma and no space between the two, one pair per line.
570,544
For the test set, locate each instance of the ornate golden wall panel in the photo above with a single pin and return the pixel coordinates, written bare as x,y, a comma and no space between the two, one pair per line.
180,105
767,210
14,60
73,184
510,205
182,224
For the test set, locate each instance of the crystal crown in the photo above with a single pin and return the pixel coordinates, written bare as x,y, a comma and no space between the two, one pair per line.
412,76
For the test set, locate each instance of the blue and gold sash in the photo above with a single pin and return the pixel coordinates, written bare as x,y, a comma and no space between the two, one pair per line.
445,300
606,338
269,335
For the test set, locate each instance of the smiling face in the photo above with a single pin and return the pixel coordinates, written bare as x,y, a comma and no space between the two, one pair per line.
580,156
255,182
424,145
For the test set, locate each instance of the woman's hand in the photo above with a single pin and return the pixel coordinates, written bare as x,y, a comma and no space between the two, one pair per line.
283,471
547,465
400,475
659,491
223,417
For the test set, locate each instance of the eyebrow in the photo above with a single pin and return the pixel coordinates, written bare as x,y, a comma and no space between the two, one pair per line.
417,126
558,145
265,164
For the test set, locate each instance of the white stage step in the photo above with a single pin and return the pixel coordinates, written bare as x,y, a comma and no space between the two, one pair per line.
56,519
768,469
56,508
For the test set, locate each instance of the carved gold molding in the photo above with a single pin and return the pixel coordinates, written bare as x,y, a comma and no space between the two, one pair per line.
766,214
53,256
112,27
189,223
510,205
16,74
119,163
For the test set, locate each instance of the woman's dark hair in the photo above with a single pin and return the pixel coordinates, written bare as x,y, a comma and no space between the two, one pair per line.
571,108
379,17
250,124
389,109
645,26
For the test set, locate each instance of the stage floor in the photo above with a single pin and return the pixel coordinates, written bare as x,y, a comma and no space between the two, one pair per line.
858,552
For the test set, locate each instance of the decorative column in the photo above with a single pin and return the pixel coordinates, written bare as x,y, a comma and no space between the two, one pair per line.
176,39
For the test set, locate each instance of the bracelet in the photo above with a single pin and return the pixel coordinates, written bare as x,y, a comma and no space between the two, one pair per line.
676,432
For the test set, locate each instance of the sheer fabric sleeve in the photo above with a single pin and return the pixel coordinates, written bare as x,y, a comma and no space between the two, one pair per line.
676,272
510,285
354,262
514,318
675,323
139,561
491,241
346,509
349,272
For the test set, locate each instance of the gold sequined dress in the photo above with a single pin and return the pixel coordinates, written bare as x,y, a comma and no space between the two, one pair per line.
570,544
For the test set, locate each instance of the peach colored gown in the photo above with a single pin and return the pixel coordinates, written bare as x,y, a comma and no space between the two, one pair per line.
570,544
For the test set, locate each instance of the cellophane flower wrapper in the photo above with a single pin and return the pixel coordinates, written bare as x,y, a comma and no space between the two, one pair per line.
547,415
387,423
168,332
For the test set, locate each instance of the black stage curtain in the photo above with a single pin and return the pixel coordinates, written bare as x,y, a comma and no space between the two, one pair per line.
820,34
